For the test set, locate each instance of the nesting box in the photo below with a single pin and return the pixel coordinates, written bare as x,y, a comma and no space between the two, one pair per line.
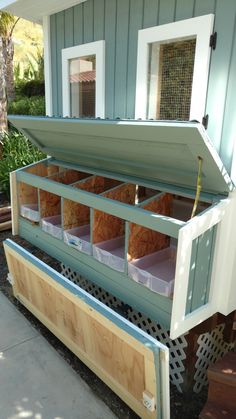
115,203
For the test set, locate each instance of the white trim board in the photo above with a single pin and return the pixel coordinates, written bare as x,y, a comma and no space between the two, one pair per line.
93,48
202,28
47,65
180,322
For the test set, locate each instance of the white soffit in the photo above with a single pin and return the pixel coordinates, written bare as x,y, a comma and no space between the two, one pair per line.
34,10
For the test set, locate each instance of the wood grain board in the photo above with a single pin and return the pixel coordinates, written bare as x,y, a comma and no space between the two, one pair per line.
123,362
106,226
50,204
143,241
76,214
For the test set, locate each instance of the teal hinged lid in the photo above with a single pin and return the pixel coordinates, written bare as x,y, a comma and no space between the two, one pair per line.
153,150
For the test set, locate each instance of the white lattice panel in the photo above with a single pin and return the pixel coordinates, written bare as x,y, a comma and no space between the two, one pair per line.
211,348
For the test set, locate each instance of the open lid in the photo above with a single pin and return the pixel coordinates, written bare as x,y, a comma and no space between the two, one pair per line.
154,150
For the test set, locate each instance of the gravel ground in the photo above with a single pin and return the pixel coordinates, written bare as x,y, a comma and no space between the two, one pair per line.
182,406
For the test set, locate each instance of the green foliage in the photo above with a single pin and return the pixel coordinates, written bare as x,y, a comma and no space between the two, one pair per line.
35,68
6,23
30,88
17,152
34,105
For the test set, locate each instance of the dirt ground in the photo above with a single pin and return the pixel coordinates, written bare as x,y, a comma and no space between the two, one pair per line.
182,406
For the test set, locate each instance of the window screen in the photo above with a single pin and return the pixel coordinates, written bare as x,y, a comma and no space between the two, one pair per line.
170,78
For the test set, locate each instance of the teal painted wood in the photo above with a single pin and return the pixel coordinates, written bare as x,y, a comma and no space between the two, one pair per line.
60,28
88,7
135,23
229,122
204,7
191,275
159,151
184,9
54,53
78,25
201,262
99,19
69,27
157,307
222,64
208,285
121,59
185,192
150,13
167,11
163,224
110,38
220,67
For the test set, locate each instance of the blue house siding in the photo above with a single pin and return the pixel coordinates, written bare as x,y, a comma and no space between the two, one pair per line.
118,22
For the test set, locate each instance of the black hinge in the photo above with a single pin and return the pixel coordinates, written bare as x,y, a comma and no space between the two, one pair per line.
213,39
205,120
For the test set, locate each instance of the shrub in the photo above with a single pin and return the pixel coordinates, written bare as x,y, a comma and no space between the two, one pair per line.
30,88
17,152
34,105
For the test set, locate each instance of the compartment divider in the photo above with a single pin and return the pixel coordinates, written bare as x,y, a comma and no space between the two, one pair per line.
157,222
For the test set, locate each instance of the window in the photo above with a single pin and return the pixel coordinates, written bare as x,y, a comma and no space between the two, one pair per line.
83,75
172,70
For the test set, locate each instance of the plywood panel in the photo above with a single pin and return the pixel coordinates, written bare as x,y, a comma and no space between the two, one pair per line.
106,226
143,241
121,360
75,214
27,194
50,204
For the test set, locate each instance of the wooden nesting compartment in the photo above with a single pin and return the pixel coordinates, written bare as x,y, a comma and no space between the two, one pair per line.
152,255
76,217
109,231
50,204
28,195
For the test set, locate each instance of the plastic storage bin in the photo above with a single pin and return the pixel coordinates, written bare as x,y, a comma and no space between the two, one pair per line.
111,253
79,238
156,271
52,225
31,212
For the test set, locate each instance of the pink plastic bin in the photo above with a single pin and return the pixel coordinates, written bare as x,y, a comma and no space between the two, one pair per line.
52,225
79,238
156,271
111,253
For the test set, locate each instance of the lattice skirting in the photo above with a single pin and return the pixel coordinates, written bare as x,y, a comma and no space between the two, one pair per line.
211,346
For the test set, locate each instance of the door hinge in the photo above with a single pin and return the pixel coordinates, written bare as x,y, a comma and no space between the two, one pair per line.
205,120
213,39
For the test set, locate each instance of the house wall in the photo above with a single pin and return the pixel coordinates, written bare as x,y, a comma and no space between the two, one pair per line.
118,22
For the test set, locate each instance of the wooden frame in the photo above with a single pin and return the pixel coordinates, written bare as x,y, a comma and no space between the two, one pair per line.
175,315
94,48
95,333
202,28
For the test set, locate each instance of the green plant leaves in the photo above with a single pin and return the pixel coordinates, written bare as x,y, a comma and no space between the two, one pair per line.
17,152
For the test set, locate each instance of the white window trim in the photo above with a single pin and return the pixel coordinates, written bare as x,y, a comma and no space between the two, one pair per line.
47,65
93,48
202,28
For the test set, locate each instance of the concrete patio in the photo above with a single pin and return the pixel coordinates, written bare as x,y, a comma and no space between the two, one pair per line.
35,381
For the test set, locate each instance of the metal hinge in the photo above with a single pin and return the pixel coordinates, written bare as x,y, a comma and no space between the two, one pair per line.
213,39
205,120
